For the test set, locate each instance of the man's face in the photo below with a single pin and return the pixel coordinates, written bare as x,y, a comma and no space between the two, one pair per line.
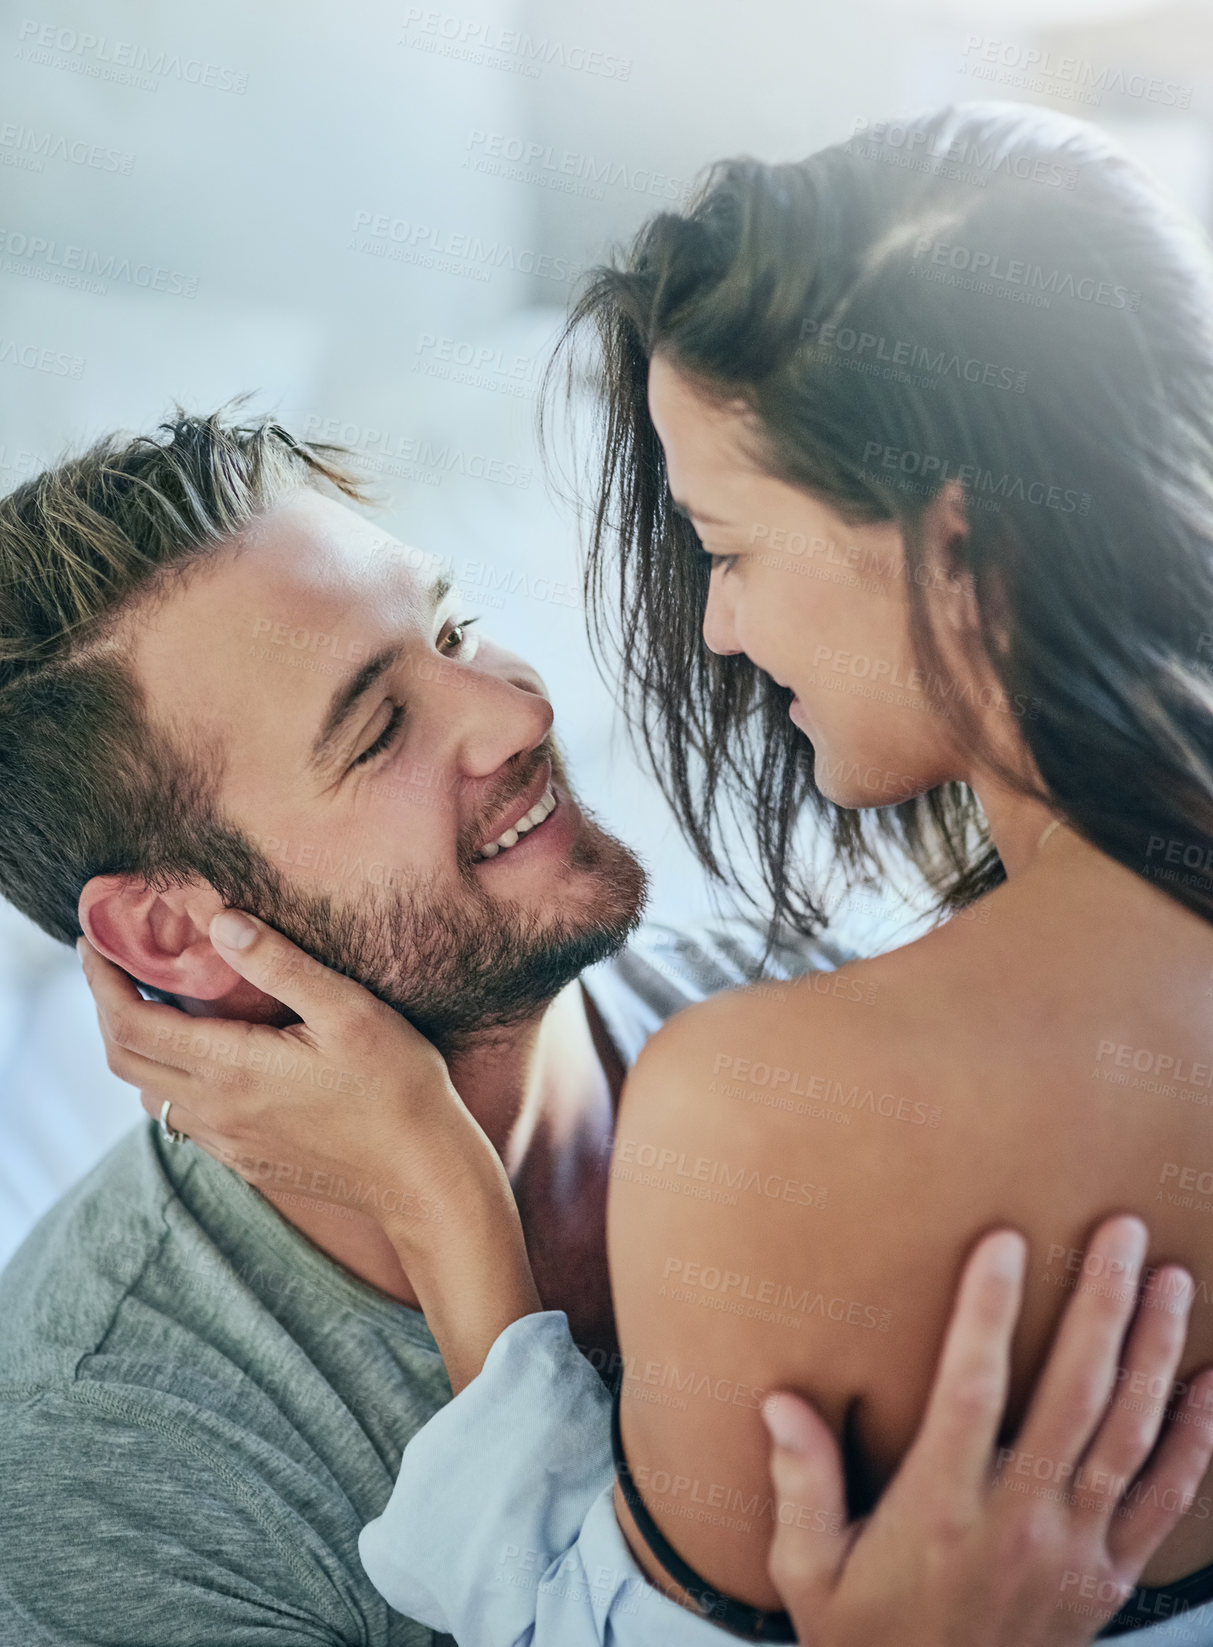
377,754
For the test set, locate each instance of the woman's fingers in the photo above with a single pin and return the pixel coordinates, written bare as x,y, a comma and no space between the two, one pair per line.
160,1033
810,1490
167,1051
324,999
965,1407
1168,1489
203,1064
1080,1373
1145,1383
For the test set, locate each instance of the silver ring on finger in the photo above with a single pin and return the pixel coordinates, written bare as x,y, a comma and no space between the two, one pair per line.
173,1136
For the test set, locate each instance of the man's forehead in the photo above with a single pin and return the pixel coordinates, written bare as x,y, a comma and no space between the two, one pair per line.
306,556
313,543
303,594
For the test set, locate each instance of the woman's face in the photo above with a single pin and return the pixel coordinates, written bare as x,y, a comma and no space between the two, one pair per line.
820,605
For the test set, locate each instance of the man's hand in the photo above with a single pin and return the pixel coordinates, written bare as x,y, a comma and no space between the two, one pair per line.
958,1554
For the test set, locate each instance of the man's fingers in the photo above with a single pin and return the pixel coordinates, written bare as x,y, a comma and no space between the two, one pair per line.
1080,1373
1169,1488
965,1408
1144,1387
810,1491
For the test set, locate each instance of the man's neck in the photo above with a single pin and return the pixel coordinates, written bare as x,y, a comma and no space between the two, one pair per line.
546,1095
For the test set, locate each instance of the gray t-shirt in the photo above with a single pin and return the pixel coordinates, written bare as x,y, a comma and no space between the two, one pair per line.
199,1410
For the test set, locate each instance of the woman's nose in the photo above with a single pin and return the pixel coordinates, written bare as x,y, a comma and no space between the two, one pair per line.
719,630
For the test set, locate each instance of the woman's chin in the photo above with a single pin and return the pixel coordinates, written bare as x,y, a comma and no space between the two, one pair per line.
854,782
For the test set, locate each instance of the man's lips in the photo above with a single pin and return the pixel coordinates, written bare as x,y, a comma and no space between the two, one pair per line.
517,809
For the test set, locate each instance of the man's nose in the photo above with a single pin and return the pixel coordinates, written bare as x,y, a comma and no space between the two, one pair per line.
719,626
495,717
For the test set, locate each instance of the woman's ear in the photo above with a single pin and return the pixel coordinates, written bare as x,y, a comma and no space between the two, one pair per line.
162,938
945,527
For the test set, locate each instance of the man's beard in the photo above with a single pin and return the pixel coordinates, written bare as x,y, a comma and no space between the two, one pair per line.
458,962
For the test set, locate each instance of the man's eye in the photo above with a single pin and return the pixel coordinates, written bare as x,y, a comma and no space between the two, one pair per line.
456,635
385,738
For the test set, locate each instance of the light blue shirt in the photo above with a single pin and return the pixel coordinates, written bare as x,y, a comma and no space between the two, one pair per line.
501,1528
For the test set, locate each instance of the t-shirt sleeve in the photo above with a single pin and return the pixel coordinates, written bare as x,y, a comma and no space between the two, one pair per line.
121,1528
501,1526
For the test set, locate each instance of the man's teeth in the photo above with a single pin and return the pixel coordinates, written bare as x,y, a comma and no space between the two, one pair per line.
542,808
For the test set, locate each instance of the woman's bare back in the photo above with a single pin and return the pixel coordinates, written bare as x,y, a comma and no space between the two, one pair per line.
814,1163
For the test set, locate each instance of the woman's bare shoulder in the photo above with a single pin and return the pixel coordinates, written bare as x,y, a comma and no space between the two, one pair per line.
870,1016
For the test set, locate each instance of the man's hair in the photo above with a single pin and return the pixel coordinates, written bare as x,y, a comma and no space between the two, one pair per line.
88,786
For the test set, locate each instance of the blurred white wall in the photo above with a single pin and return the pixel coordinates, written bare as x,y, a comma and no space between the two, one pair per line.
337,207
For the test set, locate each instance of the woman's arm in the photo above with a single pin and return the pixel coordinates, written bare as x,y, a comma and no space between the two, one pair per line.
399,1123
500,1527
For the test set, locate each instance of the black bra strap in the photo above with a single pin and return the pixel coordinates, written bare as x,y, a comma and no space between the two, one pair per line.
738,1616
1147,1605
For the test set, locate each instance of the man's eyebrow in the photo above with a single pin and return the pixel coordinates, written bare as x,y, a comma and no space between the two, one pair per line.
708,520
347,696
346,699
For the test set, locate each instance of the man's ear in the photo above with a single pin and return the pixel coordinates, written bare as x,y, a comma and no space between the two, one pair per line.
162,938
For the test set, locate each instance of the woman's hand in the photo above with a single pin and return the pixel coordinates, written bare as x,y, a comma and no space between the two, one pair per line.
969,1546
352,1095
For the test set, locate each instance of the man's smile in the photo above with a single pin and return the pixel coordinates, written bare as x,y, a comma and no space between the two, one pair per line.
525,824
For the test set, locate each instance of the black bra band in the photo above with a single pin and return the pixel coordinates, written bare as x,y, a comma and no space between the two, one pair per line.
1147,1605
753,1623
